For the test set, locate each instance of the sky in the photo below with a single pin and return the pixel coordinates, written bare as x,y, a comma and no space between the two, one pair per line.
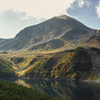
15,15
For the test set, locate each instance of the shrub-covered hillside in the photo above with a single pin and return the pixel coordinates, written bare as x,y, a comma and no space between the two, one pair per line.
71,64
79,63
6,69
12,91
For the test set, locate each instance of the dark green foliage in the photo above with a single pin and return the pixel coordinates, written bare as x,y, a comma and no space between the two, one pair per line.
75,63
94,49
97,50
81,62
71,50
17,59
12,91
5,69
98,38
34,60
42,68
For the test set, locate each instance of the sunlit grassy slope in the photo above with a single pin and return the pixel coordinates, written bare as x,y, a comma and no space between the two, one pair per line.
6,70
71,64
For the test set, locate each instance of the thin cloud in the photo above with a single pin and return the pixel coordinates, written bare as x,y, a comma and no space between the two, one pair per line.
98,9
88,3
81,3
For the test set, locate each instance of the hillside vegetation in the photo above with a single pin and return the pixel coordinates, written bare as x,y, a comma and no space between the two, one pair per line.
6,70
12,91
72,64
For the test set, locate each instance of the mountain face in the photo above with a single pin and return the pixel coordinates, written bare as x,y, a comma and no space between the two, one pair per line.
92,40
79,63
1,39
56,32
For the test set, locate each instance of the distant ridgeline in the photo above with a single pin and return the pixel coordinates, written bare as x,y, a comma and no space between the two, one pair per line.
6,70
3,52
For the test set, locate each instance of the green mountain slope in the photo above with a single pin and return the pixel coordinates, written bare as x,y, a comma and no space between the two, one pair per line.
12,91
72,64
68,64
6,70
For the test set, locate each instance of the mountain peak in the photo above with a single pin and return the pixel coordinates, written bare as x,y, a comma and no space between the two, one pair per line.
45,32
63,17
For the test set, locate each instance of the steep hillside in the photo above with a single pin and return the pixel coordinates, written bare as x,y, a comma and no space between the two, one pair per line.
53,44
79,63
1,39
68,40
72,64
6,70
61,26
75,34
12,91
92,40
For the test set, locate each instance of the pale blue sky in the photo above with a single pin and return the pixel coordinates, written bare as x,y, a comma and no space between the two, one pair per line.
18,14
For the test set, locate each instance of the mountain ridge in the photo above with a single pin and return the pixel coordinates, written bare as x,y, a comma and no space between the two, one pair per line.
47,30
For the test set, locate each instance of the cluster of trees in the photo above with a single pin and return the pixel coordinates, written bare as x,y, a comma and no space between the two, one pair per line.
6,70
70,65
12,91
17,59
